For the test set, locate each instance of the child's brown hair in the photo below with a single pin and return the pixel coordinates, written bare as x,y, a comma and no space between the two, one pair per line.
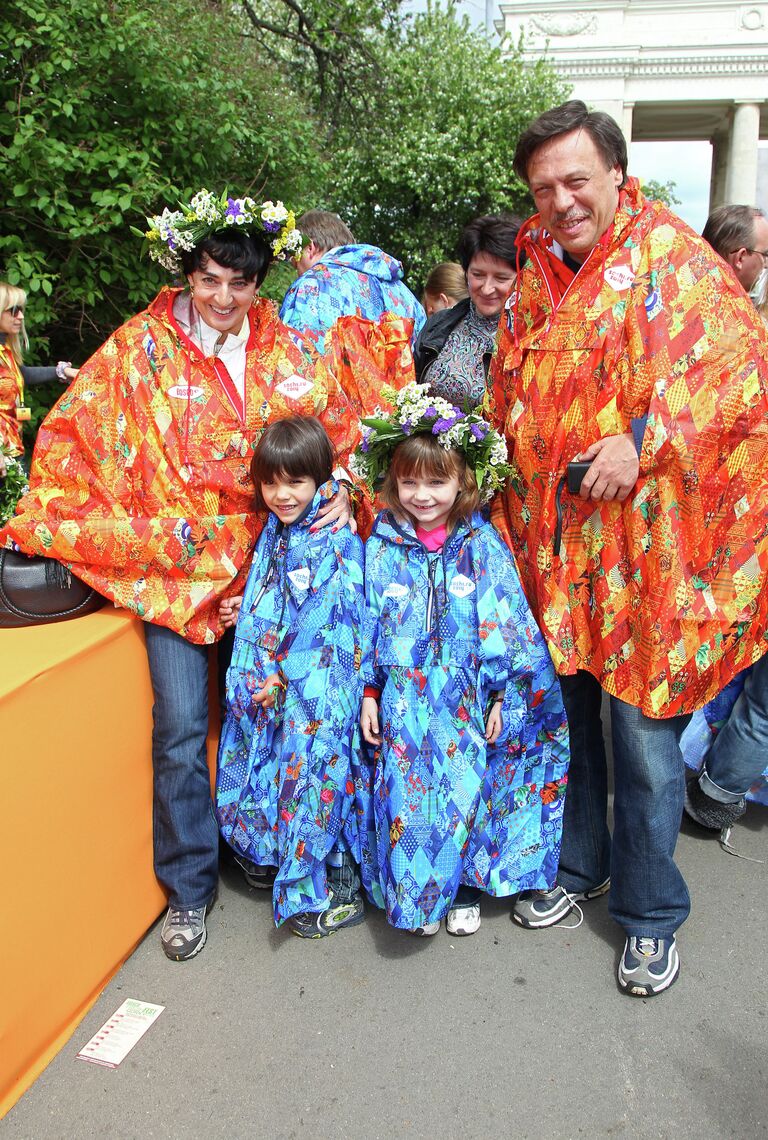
423,455
297,446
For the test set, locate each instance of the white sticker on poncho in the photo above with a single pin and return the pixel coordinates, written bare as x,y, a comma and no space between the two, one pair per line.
294,386
185,392
300,577
619,277
461,586
395,590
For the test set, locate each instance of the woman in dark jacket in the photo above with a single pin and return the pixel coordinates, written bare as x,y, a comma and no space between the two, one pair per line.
454,349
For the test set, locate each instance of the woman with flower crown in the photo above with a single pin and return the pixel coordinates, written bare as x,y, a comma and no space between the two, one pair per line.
461,703
140,483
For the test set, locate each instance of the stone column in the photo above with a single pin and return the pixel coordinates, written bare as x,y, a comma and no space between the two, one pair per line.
719,167
741,173
626,126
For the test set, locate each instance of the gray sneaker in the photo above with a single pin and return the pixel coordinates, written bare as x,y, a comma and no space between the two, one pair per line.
183,934
537,909
648,966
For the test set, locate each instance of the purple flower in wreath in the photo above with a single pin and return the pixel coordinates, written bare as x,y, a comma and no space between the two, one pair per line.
234,212
271,227
446,423
479,431
407,426
365,441
430,413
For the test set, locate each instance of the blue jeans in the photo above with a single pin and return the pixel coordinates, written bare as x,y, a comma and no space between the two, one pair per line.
648,895
186,836
739,753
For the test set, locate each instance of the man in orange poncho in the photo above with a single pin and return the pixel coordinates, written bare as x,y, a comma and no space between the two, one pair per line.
140,482
630,347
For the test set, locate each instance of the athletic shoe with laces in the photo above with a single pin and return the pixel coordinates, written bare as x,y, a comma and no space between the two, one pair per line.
463,920
183,933
262,878
648,966
537,909
336,917
709,813
426,931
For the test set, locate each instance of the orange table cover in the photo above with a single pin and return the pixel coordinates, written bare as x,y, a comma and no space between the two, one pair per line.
75,827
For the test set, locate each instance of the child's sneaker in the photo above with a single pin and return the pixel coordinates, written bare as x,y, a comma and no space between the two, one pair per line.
648,966
336,917
463,920
426,931
262,878
183,933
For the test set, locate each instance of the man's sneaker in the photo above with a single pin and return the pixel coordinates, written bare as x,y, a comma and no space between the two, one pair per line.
709,813
536,909
648,966
425,931
336,917
463,919
183,934
262,878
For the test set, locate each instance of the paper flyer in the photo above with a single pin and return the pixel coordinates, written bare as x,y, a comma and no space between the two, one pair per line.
117,1037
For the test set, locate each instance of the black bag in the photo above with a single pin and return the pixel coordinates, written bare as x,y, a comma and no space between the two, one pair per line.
35,591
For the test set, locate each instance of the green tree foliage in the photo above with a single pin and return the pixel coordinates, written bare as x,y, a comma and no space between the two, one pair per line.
331,48
434,148
108,110
661,192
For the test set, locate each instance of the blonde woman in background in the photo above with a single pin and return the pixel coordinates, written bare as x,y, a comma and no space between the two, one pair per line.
14,375
445,286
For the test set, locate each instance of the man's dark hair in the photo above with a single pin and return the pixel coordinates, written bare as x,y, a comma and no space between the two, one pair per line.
297,446
730,228
248,254
325,229
494,234
573,116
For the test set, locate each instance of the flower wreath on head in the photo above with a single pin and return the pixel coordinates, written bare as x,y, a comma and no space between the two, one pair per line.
416,412
205,214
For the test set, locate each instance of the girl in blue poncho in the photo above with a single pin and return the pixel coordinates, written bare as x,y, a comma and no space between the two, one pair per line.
284,789
461,703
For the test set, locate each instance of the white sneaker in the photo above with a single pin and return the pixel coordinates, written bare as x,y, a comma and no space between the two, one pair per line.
426,931
463,919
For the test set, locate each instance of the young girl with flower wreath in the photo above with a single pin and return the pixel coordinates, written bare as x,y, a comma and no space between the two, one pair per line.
461,702
284,789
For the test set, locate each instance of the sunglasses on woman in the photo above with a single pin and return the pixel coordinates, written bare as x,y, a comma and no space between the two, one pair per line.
16,310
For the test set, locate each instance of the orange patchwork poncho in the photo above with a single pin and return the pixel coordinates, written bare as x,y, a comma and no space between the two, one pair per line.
140,479
663,597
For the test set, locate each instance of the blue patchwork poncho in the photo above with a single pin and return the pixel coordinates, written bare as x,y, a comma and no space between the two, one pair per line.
284,790
350,280
440,807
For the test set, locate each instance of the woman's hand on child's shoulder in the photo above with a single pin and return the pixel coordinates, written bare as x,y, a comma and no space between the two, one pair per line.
337,511
369,720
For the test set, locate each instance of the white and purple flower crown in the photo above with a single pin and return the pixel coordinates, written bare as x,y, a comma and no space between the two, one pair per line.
206,213
417,412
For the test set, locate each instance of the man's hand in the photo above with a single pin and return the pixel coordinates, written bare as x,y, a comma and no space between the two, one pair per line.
338,511
614,469
369,720
228,611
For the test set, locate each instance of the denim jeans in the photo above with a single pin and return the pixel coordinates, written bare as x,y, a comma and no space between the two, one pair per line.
739,753
648,895
186,837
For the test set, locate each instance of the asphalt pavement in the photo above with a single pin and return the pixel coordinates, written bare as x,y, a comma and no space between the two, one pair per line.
373,1034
